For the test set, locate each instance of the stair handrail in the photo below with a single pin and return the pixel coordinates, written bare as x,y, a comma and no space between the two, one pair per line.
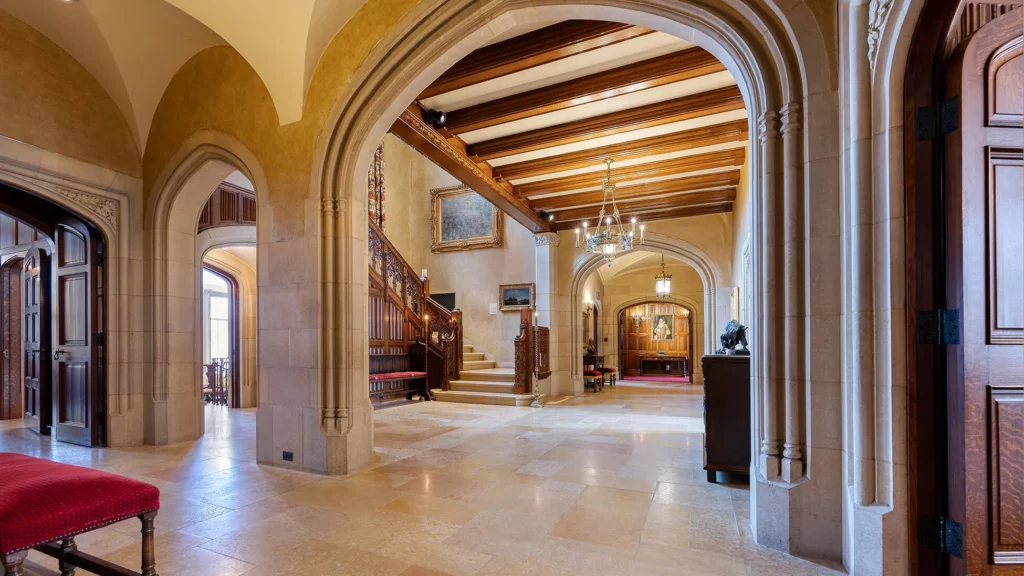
524,353
398,276
444,337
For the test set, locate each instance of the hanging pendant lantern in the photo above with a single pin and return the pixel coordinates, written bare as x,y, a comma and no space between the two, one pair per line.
663,282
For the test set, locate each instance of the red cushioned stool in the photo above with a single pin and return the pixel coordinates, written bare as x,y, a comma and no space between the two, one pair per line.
593,379
44,505
609,373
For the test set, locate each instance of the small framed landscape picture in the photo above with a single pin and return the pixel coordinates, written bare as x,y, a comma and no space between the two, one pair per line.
516,296
461,219
663,328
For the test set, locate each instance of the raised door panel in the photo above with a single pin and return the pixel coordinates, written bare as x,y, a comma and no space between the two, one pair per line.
36,343
11,341
1005,245
1006,472
1004,85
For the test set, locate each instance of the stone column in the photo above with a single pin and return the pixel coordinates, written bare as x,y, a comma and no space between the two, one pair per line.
862,326
793,250
549,312
769,458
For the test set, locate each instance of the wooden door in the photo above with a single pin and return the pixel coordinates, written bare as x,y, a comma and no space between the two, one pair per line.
985,281
10,340
36,344
76,396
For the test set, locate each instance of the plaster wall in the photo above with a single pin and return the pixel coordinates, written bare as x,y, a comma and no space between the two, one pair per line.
473,275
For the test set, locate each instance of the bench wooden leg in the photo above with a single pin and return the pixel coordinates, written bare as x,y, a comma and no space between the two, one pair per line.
148,546
66,546
13,563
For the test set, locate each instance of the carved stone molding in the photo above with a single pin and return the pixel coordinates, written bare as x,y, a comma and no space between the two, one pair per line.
105,208
546,239
767,126
878,13
332,206
790,117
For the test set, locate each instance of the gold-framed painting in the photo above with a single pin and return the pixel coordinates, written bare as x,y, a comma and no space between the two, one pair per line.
516,296
461,219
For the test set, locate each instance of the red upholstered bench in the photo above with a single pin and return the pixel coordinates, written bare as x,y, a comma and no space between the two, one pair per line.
595,379
44,505
609,373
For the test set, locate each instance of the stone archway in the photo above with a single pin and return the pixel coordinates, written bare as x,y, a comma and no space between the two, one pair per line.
174,405
784,73
659,244
683,302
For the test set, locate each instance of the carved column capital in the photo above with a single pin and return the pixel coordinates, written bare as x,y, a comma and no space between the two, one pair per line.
546,239
331,206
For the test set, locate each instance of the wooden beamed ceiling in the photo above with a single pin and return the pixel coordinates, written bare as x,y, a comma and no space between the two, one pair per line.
531,119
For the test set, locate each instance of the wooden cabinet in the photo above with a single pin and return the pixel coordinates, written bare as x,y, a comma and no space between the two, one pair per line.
726,414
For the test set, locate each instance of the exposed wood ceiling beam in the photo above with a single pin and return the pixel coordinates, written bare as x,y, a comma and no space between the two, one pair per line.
658,114
652,215
649,170
675,142
629,193
693,199
411,128
542,46
667,69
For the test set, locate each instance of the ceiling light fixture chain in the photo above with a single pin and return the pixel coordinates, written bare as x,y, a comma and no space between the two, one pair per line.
611,242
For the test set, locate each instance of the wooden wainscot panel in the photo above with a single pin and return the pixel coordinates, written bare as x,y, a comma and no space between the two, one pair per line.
1005,271
1006,474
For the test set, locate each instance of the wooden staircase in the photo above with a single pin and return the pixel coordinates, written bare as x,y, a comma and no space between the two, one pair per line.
481,381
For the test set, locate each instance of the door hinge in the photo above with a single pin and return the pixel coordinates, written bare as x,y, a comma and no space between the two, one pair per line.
943,534
938,327
939,120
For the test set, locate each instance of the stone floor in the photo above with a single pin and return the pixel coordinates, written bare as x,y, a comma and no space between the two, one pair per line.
604,484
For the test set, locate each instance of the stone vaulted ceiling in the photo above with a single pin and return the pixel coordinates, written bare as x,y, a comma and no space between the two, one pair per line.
134,47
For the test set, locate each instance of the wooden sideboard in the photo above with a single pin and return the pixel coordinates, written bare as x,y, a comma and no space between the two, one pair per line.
726,414
663,365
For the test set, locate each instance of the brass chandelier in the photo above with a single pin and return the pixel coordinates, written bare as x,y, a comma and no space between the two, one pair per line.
609,238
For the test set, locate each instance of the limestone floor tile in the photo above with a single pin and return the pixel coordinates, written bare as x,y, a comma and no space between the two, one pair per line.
237,519
201,562
529,498
687,561
318,557
504,533
716,531
441,485
430,507
175,513
582,558
693,496
606,478
261,541
546,468
511,567
606,516
567,487
560,454
340,495
600,459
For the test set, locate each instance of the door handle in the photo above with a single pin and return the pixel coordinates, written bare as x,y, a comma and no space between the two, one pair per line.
57,355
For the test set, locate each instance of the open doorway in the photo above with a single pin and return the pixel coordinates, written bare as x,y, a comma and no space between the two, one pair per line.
220,338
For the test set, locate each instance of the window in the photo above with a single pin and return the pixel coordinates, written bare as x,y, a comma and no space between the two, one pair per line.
216,317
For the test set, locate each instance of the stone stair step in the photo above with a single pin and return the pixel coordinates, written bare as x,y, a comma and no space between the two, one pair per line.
472,356
479,364
467,348
481,386
493,398
491,375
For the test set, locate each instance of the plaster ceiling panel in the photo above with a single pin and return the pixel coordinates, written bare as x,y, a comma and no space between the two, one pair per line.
70,25
239,179
271,35
246,254
150,40
327,18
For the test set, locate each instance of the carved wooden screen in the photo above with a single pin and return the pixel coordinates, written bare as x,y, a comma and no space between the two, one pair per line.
229,205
